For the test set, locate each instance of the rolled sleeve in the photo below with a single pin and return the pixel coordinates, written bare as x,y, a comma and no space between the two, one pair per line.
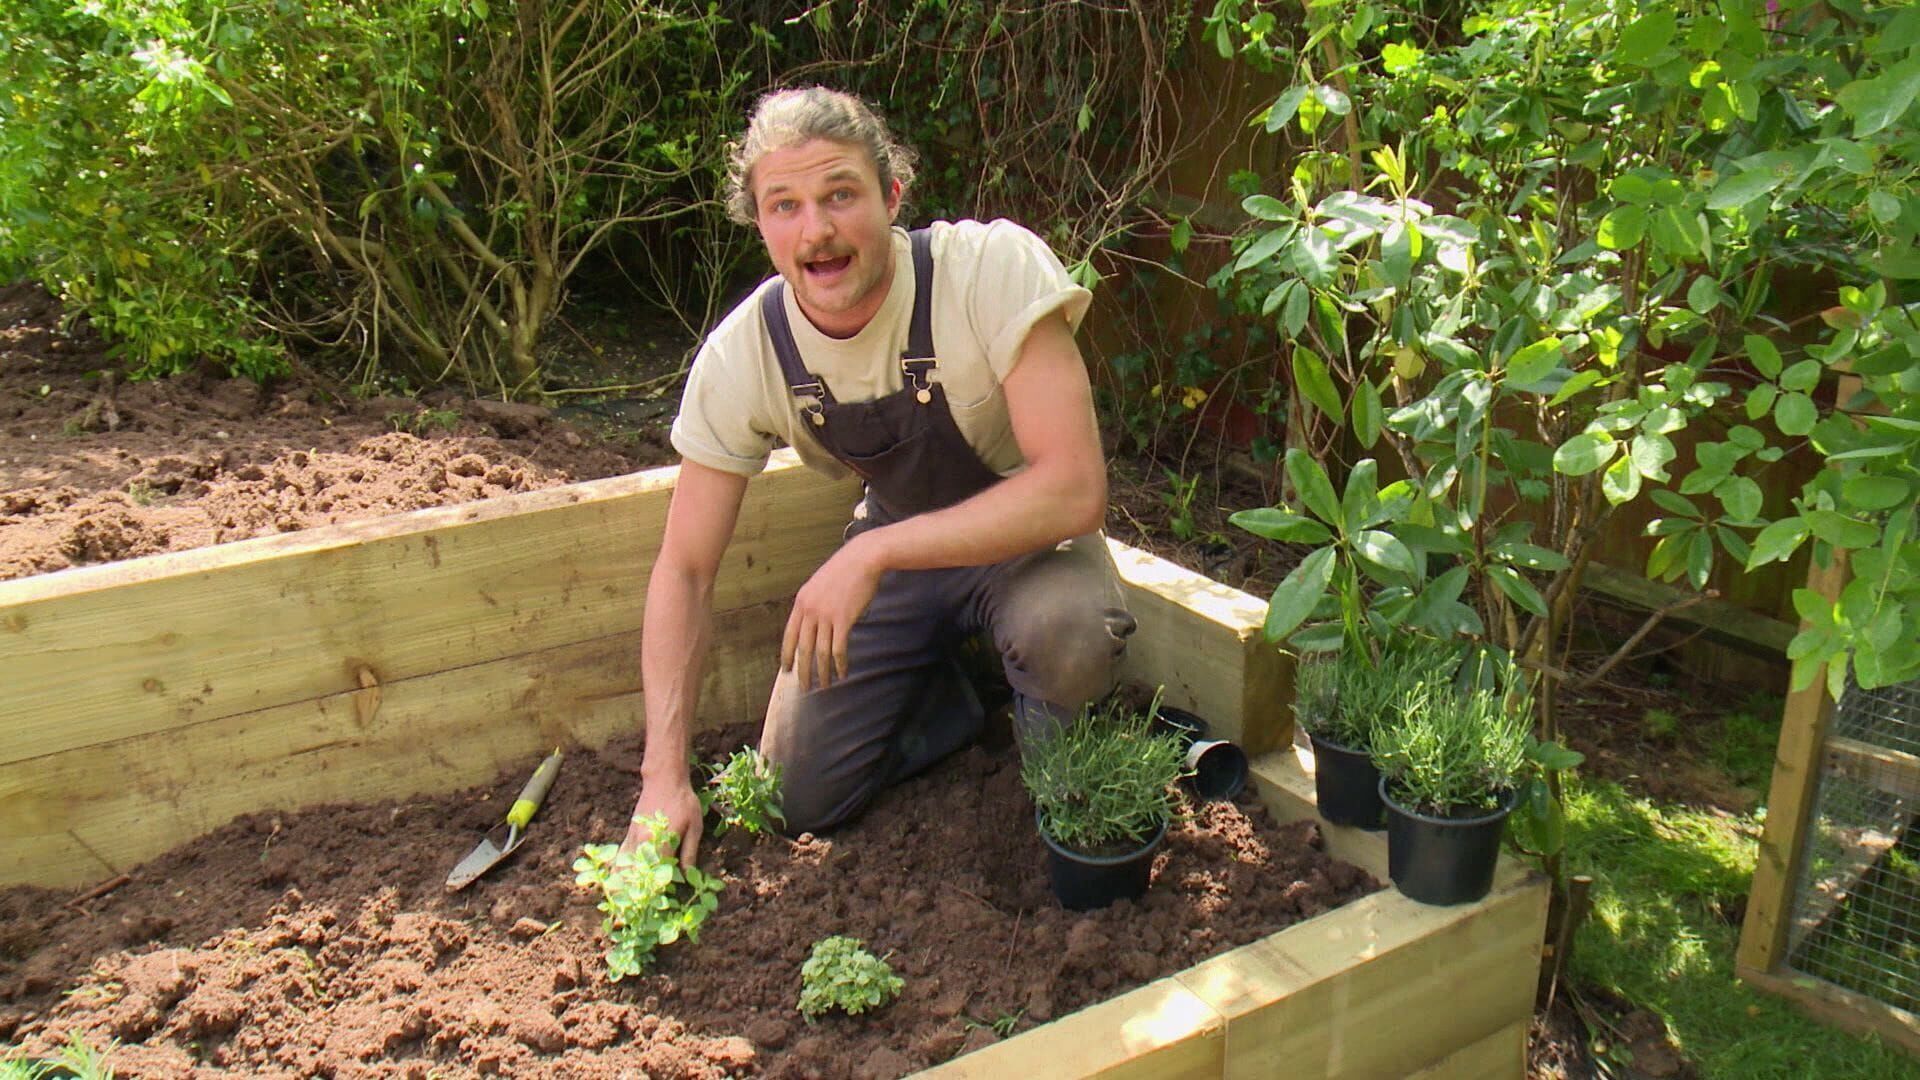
1020,281
716,426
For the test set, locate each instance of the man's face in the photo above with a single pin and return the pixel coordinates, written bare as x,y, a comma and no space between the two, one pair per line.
828,228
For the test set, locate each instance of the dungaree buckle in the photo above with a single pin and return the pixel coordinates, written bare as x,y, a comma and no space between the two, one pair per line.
813,409
916,373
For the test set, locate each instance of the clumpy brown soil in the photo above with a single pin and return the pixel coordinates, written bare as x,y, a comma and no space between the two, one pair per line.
323,943
95,469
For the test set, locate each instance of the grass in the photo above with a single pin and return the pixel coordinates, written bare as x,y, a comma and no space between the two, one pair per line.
1667,881
76,1059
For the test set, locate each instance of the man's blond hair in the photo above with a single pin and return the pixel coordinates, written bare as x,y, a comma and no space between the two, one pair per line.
790,117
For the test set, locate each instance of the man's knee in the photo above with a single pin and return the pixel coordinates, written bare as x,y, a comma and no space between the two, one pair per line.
1069,654
816,792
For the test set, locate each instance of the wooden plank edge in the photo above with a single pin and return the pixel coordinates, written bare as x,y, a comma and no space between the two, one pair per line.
84,579
1895,772
1250,701
1722,619
1796,777
1158,1030
580,694
1842,1008
1500,1056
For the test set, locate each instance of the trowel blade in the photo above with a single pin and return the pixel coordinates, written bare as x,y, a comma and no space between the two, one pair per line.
479,861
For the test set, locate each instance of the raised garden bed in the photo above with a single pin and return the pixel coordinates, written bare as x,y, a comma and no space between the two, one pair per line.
406,659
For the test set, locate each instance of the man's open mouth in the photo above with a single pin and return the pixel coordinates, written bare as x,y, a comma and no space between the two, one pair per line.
828,267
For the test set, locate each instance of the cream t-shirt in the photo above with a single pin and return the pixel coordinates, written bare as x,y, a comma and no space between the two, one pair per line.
991,283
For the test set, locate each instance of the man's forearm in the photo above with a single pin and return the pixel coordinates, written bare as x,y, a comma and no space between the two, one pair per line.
1026,512
673,648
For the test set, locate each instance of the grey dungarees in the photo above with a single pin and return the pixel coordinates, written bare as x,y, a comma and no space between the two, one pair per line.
1055,616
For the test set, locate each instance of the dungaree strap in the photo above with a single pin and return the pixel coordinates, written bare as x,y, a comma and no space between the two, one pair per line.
916,361
920,331
773,309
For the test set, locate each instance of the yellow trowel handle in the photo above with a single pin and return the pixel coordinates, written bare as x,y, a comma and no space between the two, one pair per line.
536,790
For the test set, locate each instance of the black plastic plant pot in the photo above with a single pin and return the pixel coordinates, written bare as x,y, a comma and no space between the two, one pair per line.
1442,860
1217,769
1346,786
1181,723
1087,882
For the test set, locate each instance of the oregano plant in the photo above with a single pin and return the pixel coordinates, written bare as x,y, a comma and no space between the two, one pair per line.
648,899
841,974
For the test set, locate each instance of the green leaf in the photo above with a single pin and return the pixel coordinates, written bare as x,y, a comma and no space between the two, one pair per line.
1802,376
1584,453
1263,248
1181,236
1533,363
1679,231
1740,189
1741,496
1278,523
1336,102
1383,549
1675,504
1517,589
1582,380
1295,597
1284,107
1795,414
1621,482
1874,492
1310,480
1622,228
1398,249
1553,756
1360,497
1699,559
1531,556
1368,414
1760,400
1765,357
1650,454
1777,541
1842,531
1316,384
1703,295
1266,208
1876,103
1647,40
1314,257
1293,313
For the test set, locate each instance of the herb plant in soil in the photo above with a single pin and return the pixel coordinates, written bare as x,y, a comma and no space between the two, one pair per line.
642,898
842,974
1103,793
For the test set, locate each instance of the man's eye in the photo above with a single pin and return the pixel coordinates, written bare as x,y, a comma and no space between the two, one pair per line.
843,195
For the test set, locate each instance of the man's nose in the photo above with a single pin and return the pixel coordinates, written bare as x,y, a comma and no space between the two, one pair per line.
816,224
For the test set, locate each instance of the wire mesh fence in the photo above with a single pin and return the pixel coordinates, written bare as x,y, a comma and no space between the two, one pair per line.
1856,907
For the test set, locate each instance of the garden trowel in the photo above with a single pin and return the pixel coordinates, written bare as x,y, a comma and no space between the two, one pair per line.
496,846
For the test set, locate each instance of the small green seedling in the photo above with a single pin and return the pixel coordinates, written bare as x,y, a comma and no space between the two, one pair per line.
76,1059
841,974
745,792
641,898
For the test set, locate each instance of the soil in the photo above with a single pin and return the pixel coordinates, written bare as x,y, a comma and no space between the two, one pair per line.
324,943
94,469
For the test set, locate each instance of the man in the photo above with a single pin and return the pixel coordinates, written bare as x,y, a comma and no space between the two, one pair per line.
940,367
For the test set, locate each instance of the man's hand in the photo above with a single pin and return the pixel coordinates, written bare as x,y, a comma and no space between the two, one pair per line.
825,609
682,809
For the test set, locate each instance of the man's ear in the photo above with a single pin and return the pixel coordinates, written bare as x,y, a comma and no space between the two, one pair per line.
895,192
